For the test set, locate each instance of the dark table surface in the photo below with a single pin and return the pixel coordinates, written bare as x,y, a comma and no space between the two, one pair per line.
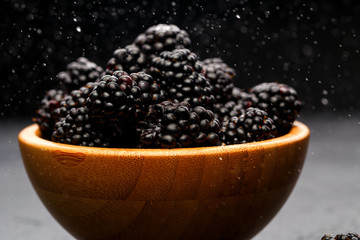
326,198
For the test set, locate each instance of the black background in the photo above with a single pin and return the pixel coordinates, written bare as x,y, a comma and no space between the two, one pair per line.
311,45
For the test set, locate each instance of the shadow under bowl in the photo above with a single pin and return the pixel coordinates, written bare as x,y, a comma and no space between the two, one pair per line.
227,192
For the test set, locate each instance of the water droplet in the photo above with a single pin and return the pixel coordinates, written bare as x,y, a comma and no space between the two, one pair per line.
324,101
78,29
238,16
267,14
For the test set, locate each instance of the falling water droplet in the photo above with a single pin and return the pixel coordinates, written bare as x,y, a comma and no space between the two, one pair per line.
238,16
78,29
324,101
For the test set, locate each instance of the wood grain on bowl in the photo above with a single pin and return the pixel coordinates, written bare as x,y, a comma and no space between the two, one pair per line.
228,192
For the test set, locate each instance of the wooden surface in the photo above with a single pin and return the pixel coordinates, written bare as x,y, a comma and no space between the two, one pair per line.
201,193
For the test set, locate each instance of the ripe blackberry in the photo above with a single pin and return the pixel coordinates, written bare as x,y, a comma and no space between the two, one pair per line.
280,101
221,77
145,92
251,126
110,102
78,73
347,236
327,237
77,129
47,114
76,99
224,111
119,99
129,59
173,125
179,74
242,97
162,37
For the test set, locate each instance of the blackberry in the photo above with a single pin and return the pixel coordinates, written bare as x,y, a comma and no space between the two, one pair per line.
145,92
327,237
179,74
162,37
77,129
221,77
47,114
242,97
76,99
110,101
251,126
78,73
173,125
129,59
119,99
347,236
230,109
280,101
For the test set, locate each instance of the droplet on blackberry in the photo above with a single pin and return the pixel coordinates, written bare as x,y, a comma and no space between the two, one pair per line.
78,73
280,101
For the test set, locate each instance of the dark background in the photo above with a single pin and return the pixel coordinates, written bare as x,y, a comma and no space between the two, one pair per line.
311,45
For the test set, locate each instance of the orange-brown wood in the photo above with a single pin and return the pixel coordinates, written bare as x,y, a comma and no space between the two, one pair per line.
228,192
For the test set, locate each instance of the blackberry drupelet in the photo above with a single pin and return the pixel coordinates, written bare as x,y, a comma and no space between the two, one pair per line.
77,129
221,77
280,101
179,75
129,59
162,37
327,237
173,125
347,236
47,114
251,126
78,73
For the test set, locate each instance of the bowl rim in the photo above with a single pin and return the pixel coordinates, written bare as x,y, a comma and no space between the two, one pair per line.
30,136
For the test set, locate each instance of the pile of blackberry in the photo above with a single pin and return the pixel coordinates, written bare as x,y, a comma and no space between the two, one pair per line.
157,93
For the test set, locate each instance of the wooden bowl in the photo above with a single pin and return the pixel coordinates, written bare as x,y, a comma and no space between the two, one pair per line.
228,192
